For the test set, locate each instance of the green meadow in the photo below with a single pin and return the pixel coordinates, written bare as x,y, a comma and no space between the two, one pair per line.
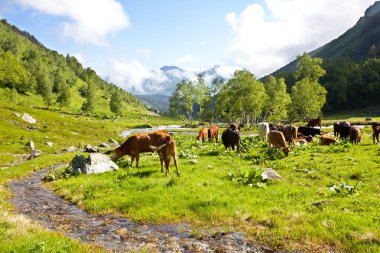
327,199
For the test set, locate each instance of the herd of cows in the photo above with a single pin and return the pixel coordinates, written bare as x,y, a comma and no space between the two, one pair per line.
277,136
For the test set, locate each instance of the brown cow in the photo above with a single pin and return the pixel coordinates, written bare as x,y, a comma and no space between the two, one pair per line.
166,150
326,140
234,126
139,143
202,134
276,139
315,122
213,132
290,133
376,131
355,135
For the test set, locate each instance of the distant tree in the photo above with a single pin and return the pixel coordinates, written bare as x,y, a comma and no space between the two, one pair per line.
308,96
44,87
12,73
277,105
116,103
308,67
59,81
182,100
211,111
242,98
63,98
89,103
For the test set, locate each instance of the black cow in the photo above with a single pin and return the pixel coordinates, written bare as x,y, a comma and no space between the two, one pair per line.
305,131
231,138
344,130
336,129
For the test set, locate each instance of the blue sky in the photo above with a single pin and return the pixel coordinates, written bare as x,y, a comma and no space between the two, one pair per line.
129,41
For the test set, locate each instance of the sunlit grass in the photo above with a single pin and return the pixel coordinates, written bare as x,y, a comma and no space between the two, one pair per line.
299,208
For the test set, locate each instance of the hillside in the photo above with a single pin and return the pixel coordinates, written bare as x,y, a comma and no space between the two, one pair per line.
45,78
157,101
352,67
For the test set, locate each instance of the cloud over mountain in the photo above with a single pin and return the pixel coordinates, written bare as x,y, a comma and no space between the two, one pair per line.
134,77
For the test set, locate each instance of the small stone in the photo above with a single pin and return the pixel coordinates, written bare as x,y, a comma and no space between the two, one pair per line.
270,174
90,149
112,141
30,145
26,117
35,153
71,149
103,145
50,144
18,115
193,161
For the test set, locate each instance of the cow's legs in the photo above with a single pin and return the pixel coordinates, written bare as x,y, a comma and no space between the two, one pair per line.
162,163
176,165
132,159
137,160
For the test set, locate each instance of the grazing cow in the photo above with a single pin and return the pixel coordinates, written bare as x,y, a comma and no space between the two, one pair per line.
326,140
344,130
275,127
376,131
336,126
315,122
290,133
276,139
309,131
231,137
202,134
263,130
355,134
139,143
166,149
213,132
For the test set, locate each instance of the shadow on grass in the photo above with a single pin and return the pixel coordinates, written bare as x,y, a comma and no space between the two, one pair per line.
210,153
143,174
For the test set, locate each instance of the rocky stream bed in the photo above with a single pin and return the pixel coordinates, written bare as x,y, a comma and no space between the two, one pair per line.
114,233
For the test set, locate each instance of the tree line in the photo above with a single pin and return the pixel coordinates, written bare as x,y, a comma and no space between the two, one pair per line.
26,66
245,99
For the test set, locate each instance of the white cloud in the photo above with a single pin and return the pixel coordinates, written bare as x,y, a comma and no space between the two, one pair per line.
90,21
132,76
265,41
187,58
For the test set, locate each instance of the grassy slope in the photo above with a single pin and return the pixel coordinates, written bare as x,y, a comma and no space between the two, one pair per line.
18,234
281,215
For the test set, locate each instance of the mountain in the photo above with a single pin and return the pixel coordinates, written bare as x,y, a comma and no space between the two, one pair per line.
46,78
156,101
358,43
158,91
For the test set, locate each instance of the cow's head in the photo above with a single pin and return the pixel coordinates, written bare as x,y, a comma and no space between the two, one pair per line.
286,150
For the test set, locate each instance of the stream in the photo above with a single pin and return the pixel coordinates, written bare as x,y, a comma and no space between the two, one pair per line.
114,233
